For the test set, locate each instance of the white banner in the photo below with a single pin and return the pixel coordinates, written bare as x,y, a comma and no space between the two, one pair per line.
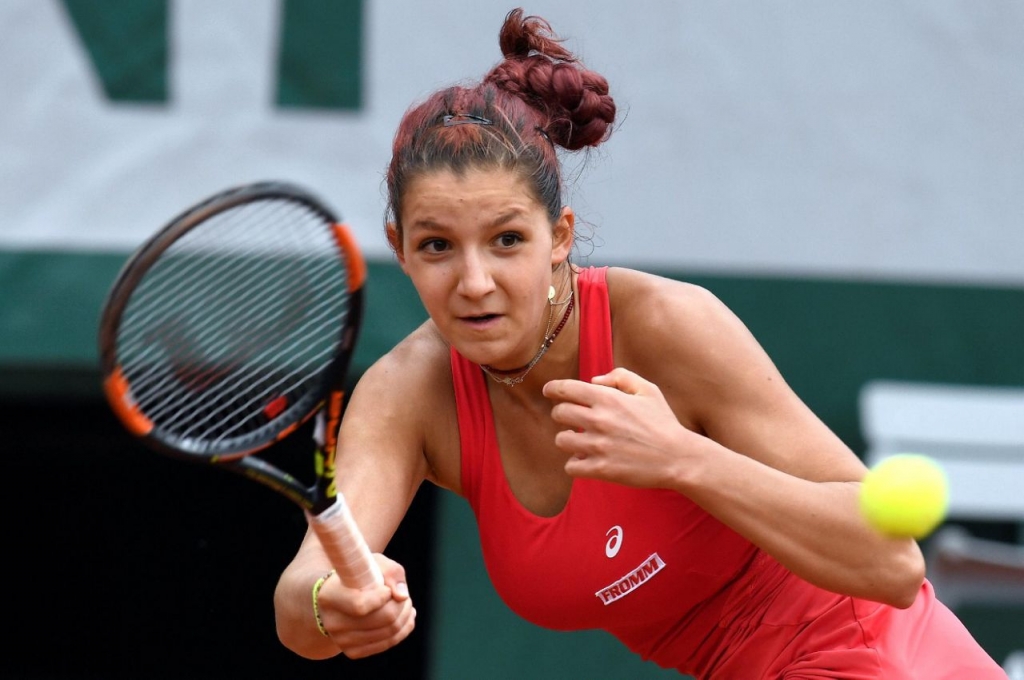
851,139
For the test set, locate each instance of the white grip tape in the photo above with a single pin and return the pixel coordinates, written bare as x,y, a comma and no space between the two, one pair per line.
345,546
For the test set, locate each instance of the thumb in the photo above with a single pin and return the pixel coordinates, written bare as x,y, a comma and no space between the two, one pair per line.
394,577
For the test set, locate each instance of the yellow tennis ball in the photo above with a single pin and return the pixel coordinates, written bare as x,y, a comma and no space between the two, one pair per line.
905,495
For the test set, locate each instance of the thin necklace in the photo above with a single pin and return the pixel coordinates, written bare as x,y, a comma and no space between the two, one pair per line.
517,375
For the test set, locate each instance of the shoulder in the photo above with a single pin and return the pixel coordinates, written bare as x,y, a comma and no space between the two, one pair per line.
406,398
625,282
650,306
420,357
678,332
410,377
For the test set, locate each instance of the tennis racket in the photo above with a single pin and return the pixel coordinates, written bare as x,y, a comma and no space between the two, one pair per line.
232,326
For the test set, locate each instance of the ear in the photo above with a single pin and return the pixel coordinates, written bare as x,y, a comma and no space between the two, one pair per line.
563,236
395,241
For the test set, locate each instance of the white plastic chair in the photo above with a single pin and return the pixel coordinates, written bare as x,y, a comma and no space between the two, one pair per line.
976,434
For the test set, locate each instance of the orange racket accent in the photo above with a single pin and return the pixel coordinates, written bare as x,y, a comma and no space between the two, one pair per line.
334,404
353,256
124,405
287,431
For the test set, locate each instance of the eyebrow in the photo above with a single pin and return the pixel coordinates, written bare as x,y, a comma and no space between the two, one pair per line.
500,221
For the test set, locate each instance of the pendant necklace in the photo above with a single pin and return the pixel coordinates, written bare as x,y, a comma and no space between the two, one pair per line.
517,375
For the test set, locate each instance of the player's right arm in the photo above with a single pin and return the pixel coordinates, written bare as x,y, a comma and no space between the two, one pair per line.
381,463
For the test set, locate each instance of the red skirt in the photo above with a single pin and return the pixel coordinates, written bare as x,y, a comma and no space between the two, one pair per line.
800,632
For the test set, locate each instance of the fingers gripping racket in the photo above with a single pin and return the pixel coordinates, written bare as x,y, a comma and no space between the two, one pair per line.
231,327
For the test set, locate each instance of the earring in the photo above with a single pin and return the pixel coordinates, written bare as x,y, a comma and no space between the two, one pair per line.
551,294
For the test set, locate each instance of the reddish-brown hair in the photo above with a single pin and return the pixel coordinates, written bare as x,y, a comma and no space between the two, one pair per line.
537,98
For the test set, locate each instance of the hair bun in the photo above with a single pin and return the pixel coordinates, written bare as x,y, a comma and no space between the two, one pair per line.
574,101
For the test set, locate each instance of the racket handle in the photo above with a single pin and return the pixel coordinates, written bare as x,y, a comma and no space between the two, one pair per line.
345,546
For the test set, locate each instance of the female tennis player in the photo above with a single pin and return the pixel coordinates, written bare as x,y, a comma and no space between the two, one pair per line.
635,461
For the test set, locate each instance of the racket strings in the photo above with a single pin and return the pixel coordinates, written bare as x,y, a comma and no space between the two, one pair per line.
233,420
190,280
236,321
199,272
229,402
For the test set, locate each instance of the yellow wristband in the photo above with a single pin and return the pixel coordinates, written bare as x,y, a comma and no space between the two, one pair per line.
316,604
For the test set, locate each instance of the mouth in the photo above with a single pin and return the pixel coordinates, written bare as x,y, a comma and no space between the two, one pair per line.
479,320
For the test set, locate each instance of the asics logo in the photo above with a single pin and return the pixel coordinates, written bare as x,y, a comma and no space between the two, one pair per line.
611,548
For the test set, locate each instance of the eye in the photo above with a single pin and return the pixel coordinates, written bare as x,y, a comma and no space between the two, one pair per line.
433,245
509,239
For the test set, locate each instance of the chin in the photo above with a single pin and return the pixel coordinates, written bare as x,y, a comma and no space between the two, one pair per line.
482,357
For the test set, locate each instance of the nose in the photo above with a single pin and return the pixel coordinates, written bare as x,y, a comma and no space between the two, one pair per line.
475,280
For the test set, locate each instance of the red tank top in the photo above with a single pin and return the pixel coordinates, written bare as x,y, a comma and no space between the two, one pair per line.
670,581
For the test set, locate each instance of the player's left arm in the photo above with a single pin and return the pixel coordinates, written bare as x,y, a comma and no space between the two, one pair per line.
713,418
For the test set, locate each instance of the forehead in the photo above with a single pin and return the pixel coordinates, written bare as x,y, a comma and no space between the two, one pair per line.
488,188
